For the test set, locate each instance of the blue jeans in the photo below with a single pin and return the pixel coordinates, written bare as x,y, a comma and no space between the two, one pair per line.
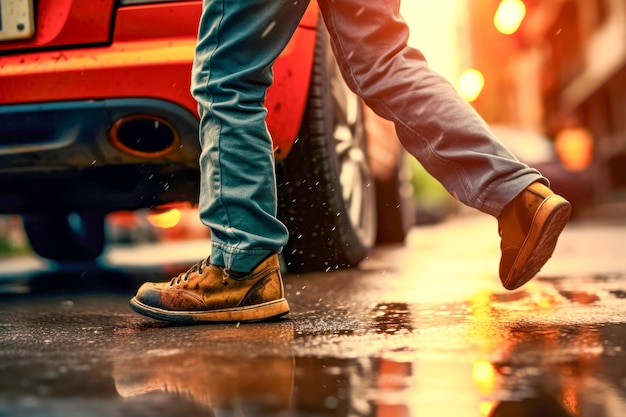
238,42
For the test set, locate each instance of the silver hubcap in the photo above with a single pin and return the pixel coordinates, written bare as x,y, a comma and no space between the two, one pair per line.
355,175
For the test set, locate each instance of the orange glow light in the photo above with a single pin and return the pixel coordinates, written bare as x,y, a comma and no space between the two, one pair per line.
509,16
485,407
574,147
484,376
470,84
166,219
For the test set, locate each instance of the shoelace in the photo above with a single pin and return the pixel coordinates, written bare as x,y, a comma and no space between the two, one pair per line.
184,277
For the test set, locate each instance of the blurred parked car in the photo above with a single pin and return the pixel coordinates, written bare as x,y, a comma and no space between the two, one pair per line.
96,117
572,172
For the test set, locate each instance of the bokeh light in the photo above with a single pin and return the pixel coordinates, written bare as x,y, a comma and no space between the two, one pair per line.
166,219
509,16
470,84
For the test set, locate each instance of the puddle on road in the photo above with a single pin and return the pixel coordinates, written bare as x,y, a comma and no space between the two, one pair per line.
554,350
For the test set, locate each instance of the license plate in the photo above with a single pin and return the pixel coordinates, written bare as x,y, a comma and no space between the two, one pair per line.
16,19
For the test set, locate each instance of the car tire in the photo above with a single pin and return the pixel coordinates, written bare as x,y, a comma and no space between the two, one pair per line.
66,237
326,188
394,207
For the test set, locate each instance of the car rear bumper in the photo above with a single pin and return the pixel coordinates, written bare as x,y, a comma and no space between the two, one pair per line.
150,55
108,154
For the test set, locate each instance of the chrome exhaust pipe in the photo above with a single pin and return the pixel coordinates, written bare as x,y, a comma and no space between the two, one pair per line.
144,135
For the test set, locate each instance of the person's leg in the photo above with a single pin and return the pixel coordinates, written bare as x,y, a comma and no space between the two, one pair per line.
237,46
433,122
439,128
238,42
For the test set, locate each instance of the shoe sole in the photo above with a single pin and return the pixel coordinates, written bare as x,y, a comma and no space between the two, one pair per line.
549,221
270,310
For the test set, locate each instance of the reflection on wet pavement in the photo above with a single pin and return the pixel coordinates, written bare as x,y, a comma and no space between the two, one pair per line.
255,382
397,337
545,351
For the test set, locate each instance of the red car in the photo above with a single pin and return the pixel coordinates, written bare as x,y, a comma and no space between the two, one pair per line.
96,116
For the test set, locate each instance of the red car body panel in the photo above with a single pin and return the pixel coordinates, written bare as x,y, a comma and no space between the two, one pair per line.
94,50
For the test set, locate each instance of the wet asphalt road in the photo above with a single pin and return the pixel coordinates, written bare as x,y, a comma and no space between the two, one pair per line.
419,330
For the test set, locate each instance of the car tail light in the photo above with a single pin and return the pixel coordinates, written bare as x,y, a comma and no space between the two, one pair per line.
574,147
165,219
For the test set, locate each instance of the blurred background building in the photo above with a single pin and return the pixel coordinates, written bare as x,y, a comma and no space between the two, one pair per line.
547,75
561,71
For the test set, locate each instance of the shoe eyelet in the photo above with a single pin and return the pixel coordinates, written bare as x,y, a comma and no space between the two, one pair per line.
178,281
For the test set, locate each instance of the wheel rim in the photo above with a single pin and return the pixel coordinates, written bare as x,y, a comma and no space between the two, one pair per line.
355,175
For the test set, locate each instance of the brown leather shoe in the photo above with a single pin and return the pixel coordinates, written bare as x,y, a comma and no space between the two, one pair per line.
206,293
530,226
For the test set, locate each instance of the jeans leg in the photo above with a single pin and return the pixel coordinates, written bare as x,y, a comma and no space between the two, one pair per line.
438,127
238,42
